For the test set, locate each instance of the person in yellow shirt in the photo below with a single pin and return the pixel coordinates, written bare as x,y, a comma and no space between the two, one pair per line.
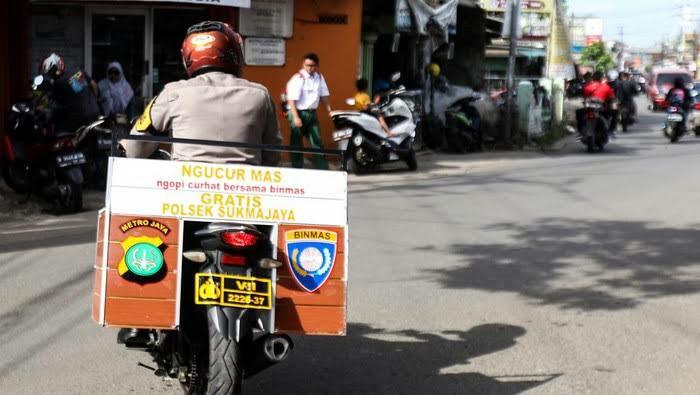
364,103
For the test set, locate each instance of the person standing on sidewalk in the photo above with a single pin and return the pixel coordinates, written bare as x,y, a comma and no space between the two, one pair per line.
304,92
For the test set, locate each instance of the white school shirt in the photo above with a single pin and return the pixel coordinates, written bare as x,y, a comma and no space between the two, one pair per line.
307,89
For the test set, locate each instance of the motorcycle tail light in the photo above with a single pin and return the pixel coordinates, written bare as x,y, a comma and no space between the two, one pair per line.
239,239
232,260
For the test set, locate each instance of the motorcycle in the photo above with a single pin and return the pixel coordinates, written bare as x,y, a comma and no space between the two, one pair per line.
626,116
217,347
463,126
593,126
366,145
454,123
38,160
95,142
675,126
210,295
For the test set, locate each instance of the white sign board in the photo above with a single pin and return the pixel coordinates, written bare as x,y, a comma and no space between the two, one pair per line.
267,18
594,26
208,191
264,51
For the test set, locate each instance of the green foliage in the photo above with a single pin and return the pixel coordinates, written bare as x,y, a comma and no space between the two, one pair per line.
597,56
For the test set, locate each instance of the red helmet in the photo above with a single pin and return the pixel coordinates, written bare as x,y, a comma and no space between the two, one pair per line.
52,66
212,45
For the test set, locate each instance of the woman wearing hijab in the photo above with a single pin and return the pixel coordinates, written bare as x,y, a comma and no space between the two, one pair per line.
115,92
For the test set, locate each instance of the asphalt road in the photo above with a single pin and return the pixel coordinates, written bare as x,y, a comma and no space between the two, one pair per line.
563,273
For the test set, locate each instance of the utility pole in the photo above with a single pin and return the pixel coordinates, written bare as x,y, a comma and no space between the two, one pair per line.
510,80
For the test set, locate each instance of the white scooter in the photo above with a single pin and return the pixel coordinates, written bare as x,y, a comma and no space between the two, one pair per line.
365,143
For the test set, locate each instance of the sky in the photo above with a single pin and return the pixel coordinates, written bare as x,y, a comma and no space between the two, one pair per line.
644,22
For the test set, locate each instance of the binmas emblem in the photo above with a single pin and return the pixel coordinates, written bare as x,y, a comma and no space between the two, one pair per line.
311,255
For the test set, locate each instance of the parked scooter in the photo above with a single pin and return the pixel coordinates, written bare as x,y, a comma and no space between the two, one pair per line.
38,160
593,126
454,122
364,141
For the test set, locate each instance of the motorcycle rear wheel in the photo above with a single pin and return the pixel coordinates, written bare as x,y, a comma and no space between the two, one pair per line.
224,373
72,201
590,144
352,165
412,161
16,176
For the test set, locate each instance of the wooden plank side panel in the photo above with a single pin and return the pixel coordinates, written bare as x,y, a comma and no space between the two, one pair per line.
97,281
101,226
96,307
140,313
331,294
116,233
118,287
311,320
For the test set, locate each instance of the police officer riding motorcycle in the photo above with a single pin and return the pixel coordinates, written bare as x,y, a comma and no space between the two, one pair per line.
211,351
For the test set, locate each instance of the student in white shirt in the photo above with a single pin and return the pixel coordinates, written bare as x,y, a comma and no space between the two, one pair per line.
304,92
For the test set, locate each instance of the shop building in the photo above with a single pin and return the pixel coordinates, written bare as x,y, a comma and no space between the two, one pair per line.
145,37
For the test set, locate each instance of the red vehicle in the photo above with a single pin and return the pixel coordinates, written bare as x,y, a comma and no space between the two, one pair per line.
660,82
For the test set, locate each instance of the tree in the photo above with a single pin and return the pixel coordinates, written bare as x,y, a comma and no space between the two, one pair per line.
597,56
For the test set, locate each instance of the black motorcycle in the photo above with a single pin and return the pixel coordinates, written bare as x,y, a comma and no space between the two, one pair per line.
38,160
593,125
675,126
216,347
96,141
626,116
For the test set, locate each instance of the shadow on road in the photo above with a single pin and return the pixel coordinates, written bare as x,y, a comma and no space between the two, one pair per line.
581,264
377,361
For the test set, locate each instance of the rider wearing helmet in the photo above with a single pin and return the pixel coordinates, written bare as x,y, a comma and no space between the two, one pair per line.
70,96
597,89
679,96
215,103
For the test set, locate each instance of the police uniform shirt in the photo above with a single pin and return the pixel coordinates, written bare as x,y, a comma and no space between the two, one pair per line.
307,90
211,106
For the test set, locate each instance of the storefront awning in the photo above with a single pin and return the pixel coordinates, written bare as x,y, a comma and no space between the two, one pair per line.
225,3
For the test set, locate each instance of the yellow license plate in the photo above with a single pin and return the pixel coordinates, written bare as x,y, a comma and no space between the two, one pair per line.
229,290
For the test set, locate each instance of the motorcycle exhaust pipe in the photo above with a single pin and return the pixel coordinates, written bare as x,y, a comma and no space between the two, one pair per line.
267,351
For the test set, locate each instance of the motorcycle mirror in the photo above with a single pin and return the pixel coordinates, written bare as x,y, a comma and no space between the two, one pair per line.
395,77
38,80
350,101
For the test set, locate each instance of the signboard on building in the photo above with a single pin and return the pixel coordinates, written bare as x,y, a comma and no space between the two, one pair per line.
264,51
542,6
267,18
225,3
594,30
535,25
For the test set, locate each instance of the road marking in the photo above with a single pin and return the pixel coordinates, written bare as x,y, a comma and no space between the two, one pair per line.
47,229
